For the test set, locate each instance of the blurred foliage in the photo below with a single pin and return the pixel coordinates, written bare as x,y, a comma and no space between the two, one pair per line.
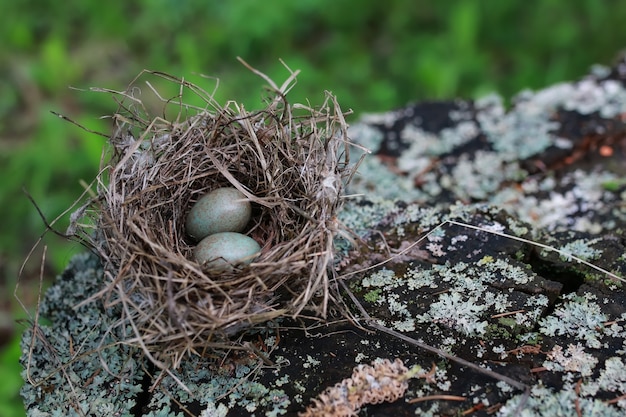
374,56
10,369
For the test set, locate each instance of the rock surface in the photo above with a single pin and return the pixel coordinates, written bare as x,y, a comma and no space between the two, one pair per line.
472,221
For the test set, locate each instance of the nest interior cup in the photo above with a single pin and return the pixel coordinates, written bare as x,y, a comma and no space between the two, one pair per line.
290,161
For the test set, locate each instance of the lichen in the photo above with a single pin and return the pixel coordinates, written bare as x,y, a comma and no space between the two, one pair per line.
99,375
612,379
483,175
529,128
573,359
580,317
544,401
213,410
79,356
382,278
467,299
580,248
463,315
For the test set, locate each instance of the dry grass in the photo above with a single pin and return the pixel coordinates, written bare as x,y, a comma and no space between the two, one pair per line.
291,161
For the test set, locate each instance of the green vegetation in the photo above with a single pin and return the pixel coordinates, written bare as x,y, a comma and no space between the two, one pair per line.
374,56
10,402
373,295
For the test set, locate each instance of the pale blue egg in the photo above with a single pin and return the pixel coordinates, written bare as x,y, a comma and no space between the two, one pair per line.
222,210
220,251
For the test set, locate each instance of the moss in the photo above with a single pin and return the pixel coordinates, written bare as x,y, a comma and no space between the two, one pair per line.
529,338
372,296
487,259
355,286
495,332
520,255
612,283
508,322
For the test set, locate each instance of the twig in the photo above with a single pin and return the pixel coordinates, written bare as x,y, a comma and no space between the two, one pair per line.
372,323
442,397
540,245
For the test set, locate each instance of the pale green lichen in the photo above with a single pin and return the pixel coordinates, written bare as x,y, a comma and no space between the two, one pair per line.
466,304
580,248
80,341
213,410
580,317
520,133
310,362
381,278
461,314
406,325
519,275
612,379
379,181
607,97
420,278
367,136
361,216
480,177
572,359
424,143
544,402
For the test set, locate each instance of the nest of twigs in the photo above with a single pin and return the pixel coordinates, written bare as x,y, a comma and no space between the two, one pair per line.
291,162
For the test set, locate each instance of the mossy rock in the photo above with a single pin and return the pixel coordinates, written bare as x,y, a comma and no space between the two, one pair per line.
455,194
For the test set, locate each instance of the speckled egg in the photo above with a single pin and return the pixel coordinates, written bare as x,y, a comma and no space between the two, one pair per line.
222,210
220,251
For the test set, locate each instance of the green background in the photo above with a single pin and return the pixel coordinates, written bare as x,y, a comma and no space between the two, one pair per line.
374,55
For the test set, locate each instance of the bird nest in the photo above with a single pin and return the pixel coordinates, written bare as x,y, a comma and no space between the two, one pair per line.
291,161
